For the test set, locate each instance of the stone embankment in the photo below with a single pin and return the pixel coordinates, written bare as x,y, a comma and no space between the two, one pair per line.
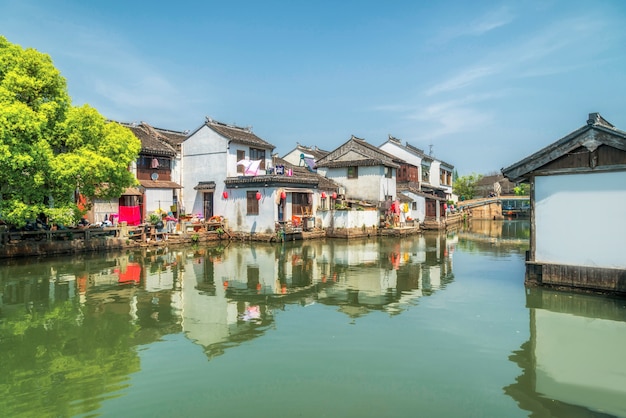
74,241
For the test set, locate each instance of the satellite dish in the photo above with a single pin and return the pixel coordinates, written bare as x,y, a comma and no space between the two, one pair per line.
154,176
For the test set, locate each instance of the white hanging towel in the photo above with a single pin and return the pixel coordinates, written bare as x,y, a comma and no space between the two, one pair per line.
251,167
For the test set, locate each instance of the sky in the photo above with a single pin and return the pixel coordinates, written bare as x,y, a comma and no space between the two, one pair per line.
478,84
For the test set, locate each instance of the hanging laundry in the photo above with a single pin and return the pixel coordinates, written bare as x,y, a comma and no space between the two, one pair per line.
251,167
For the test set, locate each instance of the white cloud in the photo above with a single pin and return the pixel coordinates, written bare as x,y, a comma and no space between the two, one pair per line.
487,22
462,79
553,50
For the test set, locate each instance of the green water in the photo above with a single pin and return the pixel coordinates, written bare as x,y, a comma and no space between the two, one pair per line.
436,325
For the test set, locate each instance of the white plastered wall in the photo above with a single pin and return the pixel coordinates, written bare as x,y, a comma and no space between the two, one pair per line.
580,219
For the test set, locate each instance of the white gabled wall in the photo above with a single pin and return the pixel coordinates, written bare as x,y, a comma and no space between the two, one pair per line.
158,199
208,156
205,156
235,209
580,219
419,212
371,184
435,168
402,153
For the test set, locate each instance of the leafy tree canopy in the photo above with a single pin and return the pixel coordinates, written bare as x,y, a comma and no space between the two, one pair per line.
522,189
50,150
465,186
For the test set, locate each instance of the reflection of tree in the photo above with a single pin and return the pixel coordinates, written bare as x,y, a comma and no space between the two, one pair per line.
53,358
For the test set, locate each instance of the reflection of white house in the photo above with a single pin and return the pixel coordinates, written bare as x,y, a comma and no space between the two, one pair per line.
574,181
207,319
575,354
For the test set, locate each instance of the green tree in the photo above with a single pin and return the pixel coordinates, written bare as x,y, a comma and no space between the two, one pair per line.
522,189
465,186
50,150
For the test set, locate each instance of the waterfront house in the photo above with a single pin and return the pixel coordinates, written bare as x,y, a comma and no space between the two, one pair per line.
365,172
427,193
578,208
218,151
158,171
230,172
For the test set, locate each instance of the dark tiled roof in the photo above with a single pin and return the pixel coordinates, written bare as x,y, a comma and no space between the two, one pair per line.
417,151
238,134
301,176
596,132
360,163
205,185
315,152
160,184
303,172
156,141
371,155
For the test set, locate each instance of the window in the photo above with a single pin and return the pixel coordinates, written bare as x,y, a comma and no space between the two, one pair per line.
258,154
353,172
252,203
149,162
241,155
388,172
413,206
301,204
324,203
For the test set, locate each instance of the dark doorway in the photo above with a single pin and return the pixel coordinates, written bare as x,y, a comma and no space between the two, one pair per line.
208,205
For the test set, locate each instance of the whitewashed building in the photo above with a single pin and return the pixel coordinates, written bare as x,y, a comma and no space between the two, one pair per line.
228,171
158,172
303,156
365,172
426,181
578,208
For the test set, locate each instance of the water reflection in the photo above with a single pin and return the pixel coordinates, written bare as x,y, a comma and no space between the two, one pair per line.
573,363
78,335
71,328
495,237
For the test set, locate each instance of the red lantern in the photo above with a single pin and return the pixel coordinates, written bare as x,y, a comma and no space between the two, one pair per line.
283,195
334,195
258,195
323,195
225,195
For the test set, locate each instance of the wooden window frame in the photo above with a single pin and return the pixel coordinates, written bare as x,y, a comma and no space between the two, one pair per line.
252,204
258,154
241,155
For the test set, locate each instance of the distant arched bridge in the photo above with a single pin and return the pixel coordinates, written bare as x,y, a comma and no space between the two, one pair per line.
496,207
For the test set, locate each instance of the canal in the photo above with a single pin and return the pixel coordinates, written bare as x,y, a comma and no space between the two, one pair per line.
435,325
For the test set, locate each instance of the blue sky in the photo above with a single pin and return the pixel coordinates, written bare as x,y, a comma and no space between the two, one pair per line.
481,83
